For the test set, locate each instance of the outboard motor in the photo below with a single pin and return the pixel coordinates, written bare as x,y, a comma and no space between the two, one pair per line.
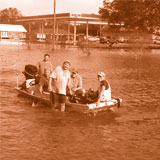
31,72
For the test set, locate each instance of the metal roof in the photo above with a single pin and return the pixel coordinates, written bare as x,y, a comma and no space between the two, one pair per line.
12,28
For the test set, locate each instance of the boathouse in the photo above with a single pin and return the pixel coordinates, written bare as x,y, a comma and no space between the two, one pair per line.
8,31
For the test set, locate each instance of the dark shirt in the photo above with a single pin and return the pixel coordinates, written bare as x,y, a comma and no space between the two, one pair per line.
104,83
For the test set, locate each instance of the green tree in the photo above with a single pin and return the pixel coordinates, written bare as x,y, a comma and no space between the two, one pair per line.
136,14
9,15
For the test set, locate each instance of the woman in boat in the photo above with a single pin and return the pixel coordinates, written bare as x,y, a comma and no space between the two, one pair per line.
104,91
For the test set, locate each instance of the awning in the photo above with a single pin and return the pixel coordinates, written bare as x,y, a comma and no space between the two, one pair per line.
12,28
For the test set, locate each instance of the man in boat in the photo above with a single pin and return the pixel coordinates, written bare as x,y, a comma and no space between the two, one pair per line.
75,83
45,64
44,80
104,91
58,83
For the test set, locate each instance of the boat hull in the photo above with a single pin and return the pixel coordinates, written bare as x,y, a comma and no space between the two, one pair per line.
77,107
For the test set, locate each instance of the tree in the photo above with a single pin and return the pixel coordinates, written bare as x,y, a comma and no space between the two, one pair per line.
9,15
136,14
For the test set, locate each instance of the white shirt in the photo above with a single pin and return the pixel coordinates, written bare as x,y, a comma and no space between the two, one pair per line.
61,78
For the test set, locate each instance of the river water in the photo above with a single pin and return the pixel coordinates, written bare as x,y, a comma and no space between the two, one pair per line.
131,132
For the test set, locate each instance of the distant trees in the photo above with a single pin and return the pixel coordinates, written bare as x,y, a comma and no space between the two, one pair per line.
143,15
9,15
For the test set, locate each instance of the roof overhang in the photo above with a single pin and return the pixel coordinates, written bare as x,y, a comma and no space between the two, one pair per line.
63,17
12,28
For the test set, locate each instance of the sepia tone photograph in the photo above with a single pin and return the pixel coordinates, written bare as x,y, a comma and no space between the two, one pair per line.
79,79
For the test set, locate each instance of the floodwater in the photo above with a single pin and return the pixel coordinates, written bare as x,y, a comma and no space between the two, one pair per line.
131,132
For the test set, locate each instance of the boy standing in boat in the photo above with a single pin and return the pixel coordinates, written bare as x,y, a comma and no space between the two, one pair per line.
104,91
58,82
45,64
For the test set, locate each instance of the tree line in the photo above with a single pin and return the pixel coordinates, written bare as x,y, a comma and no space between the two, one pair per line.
9,15
140,15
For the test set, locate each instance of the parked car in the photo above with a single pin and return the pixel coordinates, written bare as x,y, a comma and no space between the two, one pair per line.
108,39
122,40
105,39
93,39
156,39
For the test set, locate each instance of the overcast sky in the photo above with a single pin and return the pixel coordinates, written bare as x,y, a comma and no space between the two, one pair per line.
38,7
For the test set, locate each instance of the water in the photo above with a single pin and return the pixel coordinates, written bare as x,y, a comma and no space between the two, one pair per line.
129,133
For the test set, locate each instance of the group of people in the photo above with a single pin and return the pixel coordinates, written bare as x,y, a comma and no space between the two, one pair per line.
64,81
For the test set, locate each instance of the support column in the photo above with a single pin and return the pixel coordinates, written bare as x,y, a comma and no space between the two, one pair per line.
74,38
54,24
68,31
29,36
42,29
87,30
100,30
57,32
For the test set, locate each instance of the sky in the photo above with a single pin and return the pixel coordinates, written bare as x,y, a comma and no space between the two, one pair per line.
40,7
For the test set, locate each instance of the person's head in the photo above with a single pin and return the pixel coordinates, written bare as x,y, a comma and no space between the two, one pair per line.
101,76
66,65
46,57
47,72
74,73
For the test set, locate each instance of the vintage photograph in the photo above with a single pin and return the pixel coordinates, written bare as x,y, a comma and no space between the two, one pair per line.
79,80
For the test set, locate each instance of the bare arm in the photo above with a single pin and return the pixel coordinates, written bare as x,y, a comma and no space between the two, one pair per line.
50,84
102,89
80,84
41,89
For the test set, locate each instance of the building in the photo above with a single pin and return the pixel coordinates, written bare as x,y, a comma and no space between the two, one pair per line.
70,19
8,31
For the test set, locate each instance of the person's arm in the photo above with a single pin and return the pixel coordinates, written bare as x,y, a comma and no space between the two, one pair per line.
41,83
41,89
102,89
79,84
50,84
51,67
51,80
39,68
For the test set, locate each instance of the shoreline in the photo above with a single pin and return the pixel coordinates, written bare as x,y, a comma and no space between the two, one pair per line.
85,45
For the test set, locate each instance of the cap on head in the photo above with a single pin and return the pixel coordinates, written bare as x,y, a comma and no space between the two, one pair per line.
73,70
101,74
67,61
46,55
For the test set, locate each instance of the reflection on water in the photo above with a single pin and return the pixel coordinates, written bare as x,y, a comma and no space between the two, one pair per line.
131,132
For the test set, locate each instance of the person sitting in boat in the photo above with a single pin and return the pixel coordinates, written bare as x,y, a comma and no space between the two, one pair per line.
75,83
45,64
44,81
104,91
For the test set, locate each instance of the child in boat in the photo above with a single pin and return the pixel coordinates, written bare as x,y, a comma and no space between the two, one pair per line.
104,91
